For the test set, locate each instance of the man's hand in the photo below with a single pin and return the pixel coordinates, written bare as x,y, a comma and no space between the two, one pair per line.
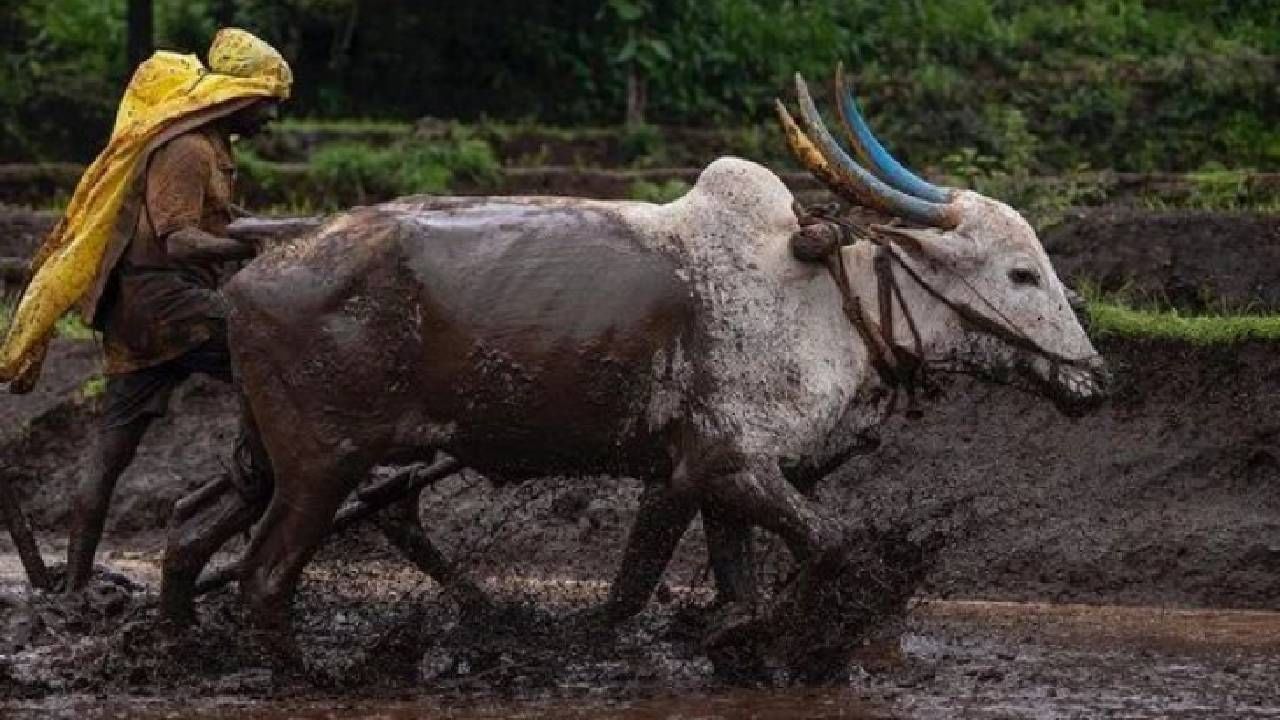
264,232
195,245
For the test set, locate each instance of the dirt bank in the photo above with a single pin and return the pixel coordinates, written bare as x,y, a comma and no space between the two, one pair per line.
21,230
1186,259
1166,496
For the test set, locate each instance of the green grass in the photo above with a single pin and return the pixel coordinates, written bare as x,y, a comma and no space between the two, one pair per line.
654,192
342,126
1116,318
94,386
345,173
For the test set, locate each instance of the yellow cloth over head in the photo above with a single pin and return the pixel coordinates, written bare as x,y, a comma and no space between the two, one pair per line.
168,94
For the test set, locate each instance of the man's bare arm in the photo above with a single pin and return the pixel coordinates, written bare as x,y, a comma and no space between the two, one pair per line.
267,231
194,244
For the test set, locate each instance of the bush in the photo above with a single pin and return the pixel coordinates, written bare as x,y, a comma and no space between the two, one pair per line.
1039,86
370,173
657,192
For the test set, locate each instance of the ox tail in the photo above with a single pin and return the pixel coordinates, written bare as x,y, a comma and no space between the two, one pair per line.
251,469
251,472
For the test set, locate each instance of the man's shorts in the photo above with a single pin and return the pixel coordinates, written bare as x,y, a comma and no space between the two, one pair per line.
145,393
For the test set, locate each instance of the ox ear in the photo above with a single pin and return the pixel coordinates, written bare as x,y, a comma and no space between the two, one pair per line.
945,246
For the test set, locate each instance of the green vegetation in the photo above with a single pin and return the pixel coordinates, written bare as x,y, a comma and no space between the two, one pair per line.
1114,318
342,173
653,192
405,168
970,87
1125,315
93,387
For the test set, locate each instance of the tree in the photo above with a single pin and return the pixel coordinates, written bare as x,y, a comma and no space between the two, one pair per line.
140,39
642,52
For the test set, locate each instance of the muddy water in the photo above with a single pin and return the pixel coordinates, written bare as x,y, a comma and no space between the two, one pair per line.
763,705
970,659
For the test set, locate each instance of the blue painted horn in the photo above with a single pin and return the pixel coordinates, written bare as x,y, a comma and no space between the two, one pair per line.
856,184
874,155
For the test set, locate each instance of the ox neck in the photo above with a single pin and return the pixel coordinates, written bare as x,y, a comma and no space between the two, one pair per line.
890,311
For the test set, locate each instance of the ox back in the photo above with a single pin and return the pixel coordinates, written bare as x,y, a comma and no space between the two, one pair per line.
525,337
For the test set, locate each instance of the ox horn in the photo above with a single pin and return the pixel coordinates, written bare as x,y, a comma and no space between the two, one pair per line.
874,154
819,152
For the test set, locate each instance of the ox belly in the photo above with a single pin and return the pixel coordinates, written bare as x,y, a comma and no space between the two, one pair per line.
524,337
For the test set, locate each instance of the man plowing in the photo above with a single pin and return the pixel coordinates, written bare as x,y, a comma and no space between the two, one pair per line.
139,249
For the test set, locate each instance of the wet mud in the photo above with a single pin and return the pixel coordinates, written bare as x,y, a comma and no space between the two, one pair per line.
1165,498
381,644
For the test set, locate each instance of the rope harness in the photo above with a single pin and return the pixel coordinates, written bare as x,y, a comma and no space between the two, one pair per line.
900,367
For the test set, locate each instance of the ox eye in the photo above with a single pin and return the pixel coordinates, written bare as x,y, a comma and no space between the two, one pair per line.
1024,276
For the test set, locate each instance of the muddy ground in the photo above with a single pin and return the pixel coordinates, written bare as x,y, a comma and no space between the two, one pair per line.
1166,497
382,644
1189,259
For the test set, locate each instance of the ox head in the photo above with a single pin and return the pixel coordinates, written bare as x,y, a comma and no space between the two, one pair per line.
1000,306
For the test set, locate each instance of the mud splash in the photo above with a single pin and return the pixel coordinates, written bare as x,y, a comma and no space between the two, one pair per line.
974,659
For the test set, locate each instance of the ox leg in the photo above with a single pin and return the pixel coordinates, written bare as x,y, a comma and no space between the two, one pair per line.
297,520
202,522
730,554
205,520
402,525
761,496
664,515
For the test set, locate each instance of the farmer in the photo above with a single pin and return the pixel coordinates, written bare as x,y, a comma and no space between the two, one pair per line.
154,296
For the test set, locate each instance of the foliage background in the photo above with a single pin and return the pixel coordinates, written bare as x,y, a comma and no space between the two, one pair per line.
1017,85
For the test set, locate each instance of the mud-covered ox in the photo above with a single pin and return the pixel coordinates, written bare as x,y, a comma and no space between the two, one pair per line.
681,344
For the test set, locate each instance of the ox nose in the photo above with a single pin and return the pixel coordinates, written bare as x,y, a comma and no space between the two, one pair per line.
1083,386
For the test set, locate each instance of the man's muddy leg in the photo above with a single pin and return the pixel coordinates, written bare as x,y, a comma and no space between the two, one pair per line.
664,515
115,450
402,524
730,553
202,522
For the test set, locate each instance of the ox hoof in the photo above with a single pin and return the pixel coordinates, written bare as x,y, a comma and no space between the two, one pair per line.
880,655
177,613
277,651
594,620
735,645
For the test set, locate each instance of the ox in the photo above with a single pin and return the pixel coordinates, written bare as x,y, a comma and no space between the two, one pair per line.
681,344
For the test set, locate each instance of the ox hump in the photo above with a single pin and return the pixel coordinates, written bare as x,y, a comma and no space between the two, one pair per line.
743,194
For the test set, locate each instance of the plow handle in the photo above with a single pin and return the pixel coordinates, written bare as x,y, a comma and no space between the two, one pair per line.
20,531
